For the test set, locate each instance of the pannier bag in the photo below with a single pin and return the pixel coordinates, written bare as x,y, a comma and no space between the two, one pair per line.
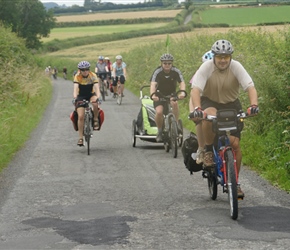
74,118
189,149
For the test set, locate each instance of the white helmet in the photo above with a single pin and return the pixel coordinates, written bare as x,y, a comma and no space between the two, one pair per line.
207,56
222,47
119,57
107,58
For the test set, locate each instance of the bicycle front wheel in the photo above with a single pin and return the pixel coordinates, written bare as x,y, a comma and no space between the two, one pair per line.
232,184
173,136
87,132
103,92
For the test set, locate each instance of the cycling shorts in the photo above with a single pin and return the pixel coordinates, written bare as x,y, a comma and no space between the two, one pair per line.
122,80
207,103
81,98
162,103
103,76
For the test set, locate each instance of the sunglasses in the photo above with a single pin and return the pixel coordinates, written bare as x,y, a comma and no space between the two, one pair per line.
220,57
167,63
85,69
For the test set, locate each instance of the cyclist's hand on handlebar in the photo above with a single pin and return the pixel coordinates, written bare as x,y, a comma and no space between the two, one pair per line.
253,110
197,113
155,98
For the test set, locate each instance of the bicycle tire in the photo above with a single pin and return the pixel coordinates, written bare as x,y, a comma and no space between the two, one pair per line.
134,131
180,134
231,184
173,136
103,92
87,132
212,185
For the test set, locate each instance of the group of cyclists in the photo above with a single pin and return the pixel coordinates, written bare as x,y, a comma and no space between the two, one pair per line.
86,86
214,86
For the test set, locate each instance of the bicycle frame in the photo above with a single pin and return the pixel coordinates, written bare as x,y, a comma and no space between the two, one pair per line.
219,159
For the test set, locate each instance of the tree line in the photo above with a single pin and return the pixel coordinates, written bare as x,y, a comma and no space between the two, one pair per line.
28,19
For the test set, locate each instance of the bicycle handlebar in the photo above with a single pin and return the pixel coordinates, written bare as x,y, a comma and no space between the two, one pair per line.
173,96
241,115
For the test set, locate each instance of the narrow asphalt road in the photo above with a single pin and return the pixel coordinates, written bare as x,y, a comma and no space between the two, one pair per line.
54,196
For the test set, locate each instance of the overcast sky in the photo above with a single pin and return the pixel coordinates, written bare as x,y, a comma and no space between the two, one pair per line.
81,2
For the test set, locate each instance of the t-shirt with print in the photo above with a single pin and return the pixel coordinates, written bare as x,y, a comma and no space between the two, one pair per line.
119,69
86,84
221,86
166,82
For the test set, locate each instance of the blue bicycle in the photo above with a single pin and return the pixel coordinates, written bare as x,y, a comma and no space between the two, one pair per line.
224,170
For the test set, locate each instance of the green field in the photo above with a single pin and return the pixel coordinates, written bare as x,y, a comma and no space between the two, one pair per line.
246,15
64,33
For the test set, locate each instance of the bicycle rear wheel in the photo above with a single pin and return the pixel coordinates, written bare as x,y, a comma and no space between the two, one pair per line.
212,184
232,184
173,136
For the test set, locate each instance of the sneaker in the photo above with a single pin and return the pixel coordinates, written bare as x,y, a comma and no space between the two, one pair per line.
115,95
208,159
159,137
199,156
240,192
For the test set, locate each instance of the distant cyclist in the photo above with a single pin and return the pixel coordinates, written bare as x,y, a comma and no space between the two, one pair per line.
86,87
109,75
119,74
165,79
64,71
102,70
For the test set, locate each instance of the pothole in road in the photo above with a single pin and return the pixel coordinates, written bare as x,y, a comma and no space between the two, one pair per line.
108,230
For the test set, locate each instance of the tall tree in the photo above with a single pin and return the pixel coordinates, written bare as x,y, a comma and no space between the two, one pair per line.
28,19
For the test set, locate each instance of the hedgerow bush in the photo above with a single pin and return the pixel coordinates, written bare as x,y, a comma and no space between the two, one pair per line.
265,55
24,94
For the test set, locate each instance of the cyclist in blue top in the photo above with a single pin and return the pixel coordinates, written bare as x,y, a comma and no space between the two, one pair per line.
119,74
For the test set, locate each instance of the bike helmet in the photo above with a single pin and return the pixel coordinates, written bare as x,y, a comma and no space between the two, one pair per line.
107,58
222,47
166,57
207,56
101,58
119,57
84,65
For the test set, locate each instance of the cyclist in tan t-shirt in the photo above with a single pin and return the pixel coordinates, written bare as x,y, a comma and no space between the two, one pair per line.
216,86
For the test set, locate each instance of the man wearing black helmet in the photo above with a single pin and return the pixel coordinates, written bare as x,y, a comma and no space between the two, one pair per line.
216,86
164,79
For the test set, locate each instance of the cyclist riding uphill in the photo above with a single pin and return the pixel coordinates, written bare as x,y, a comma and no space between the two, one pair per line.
164,79
218,81
119,74
86,87
101,69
